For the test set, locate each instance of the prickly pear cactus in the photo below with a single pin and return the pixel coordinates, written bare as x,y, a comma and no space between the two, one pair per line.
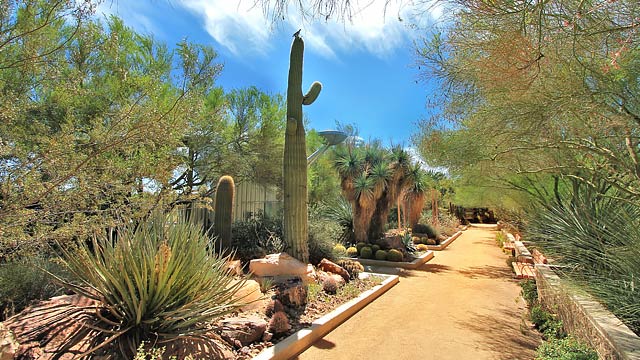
295,157
223,207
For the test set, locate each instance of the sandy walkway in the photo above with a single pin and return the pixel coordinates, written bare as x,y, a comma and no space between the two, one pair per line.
463,304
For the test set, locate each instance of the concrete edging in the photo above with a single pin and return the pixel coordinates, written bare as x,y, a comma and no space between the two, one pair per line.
397,264
443,245
301,340
586,318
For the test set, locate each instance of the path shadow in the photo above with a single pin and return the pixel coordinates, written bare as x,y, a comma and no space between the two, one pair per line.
487,272
507,336
434,268
324,344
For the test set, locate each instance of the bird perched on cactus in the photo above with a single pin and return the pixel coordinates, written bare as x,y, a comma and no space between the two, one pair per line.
295,227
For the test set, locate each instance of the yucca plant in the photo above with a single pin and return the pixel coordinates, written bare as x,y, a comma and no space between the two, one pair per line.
597,239
157,282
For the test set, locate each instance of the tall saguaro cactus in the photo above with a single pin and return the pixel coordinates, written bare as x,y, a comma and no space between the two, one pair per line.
223,215
296,230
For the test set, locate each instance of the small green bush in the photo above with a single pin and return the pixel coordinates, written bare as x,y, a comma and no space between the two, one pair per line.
352,251
322,235
394,255
381,255
529,291
366,252
565,349
546,323
24,282
425,229
500,238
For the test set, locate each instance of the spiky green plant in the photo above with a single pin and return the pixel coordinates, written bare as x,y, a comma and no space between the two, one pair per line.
225,192
156,282
598,239
341,212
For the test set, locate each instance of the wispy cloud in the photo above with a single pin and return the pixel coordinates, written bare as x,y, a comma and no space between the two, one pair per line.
378,27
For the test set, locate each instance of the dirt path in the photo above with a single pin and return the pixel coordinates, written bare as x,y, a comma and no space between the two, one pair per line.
463,304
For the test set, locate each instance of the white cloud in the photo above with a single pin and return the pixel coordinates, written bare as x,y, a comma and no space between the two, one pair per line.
378,27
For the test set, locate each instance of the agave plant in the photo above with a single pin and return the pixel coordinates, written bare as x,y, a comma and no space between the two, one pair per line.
156,282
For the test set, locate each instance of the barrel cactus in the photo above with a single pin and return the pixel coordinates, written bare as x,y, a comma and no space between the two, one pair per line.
295,227
381,255
223,207
394,255
366,252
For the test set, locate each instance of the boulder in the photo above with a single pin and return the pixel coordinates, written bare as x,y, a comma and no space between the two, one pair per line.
332,267
390,242
243,329
292,293
250,294
282,264
235,267
8,344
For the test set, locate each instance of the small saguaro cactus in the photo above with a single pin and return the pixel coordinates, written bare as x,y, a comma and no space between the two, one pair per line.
295,227
223,208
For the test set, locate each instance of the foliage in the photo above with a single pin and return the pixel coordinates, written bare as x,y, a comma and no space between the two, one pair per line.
323,234
339,211
407,241
154,282
565,349
529,291
24,282
426,229
546,323
597,238
256,237
500,239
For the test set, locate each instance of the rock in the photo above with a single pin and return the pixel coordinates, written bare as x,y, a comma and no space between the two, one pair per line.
8,344
235,267
243,329
292,293
390,242
282,264
267,336
332,267
322,276
250,294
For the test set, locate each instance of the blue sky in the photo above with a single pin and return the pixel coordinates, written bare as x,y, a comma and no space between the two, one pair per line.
365,66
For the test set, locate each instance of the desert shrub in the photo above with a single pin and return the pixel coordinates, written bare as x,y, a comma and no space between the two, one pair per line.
565,349
425,229
322,235
381,255
529,291
500,238
447,223
546,323
158,282
366,252
256,237
394,255
25,282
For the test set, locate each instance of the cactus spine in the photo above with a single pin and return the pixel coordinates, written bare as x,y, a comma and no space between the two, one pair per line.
295,157
223,208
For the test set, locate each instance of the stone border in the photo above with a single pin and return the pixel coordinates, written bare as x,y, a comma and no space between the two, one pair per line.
443,245
428,255
587,319
303,339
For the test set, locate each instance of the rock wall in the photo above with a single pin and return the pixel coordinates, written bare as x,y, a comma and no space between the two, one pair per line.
587,319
